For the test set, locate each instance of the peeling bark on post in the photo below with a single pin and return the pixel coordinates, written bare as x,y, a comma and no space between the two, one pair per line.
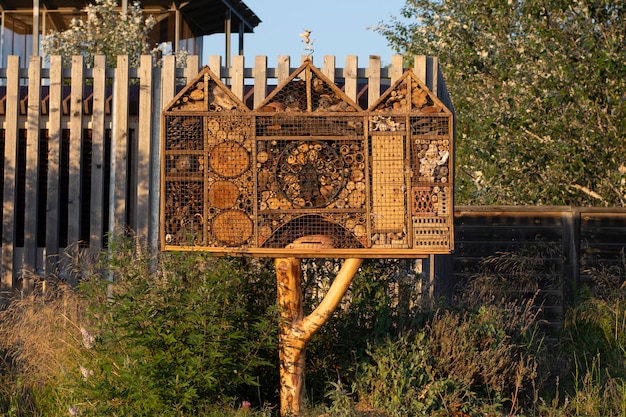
296,330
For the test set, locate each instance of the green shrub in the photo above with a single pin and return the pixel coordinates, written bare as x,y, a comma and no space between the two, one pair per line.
383,301
471,362
165,337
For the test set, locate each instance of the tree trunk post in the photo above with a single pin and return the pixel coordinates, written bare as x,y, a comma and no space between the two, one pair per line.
295,330
291,348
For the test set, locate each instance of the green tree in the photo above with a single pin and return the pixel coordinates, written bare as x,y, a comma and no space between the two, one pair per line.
539,90
106,31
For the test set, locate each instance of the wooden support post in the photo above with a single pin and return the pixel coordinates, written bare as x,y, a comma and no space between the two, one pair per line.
296,330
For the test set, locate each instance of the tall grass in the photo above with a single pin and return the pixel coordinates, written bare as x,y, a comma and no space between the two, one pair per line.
182,334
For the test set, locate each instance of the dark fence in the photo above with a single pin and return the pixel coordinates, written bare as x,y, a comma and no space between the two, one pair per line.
561,250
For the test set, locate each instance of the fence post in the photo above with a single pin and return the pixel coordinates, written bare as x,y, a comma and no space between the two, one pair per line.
350,74
98,133
119,147
76,139
31,188
10,177
260,79
54,163
144,134
373,80
571,255
237,76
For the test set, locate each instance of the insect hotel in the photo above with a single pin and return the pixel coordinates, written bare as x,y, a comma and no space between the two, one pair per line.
307,172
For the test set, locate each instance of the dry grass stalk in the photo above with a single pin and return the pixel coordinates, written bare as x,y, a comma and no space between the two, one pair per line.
41,333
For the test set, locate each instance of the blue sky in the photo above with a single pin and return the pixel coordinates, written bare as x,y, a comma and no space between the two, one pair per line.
338,28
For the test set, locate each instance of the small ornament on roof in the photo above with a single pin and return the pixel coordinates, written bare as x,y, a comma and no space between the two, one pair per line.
308,42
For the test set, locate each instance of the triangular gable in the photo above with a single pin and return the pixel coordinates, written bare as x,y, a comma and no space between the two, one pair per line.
206,93
409,94
308,90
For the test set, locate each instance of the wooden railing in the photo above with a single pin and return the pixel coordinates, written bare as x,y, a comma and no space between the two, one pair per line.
81,151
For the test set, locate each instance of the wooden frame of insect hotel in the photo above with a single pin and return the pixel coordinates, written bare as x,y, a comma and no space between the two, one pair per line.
307,165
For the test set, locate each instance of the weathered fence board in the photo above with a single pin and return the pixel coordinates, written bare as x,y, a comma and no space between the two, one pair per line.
75,150
32,167
98,129
10,171
53,163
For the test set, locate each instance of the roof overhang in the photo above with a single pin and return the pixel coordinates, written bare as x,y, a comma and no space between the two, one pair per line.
205,17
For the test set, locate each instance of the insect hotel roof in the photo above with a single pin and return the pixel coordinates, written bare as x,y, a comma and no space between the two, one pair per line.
307,173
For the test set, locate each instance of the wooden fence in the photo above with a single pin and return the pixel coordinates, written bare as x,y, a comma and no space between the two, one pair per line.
81,150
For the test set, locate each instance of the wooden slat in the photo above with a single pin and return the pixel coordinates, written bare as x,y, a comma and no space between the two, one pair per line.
237,76
167,94
350,75
144,134
215,65
119,146
260,79
432,73
168,79
283,69
373,83
191,69
155,159
328,69
98,132
54,147
396,68
419,67
32,172
10,176
75,151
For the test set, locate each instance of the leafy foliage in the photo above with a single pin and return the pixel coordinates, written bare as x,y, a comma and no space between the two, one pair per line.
538,89
188,334
169,338
106,31
382,302
474,363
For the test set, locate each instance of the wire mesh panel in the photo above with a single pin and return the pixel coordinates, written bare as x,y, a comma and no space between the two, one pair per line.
307,166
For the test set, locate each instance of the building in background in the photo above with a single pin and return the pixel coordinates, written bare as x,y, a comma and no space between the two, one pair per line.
181,23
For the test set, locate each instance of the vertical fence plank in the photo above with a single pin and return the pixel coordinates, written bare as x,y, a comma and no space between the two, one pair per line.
10,177
54,149
119,147
283,68
98,132
237,76
75,151
191,69
260,79
142,209
215,65
571,243
31,189
168,80
155,159
432,73
328,69
351,77
373,82
396,68
419,67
